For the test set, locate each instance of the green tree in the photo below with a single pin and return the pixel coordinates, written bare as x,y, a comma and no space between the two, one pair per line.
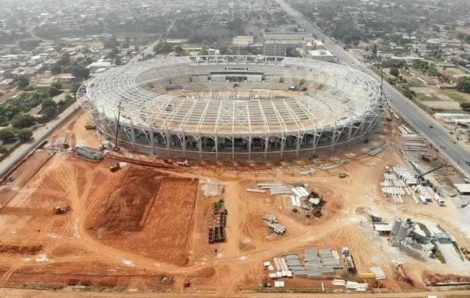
55,89
3,149
464,84
22,121
22,81
64,60
24,134
49,108
465,106
394,71
162,48
7,135
56,69
80,72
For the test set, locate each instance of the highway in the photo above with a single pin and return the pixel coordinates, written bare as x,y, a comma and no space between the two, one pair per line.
420,121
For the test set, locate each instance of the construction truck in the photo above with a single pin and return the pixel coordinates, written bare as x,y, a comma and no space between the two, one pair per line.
348,259
115,167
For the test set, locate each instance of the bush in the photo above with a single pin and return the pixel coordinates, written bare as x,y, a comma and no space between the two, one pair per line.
24,134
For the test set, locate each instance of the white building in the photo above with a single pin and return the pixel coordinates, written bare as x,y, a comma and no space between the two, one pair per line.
323,55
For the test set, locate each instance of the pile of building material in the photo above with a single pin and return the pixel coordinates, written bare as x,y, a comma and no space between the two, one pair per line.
309,172
268,265
405,175
351,285
359,287
393,187
279,284
280,268
277,228
256,190
295,201
274,225
338,282
378,272
411,141
300,191
89,153
217,223
275,188
377,150
423,194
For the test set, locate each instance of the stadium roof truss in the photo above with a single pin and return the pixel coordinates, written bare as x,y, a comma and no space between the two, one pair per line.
188,106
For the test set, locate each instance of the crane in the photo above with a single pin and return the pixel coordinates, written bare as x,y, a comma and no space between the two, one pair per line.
420,177
116,146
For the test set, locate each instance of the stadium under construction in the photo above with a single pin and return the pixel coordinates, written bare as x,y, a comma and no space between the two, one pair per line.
233,107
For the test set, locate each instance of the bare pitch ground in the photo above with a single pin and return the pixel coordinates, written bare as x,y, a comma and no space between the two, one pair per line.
145,227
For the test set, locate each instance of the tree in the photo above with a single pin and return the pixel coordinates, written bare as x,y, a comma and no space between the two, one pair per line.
64,60
162,48
55,89
56,69
3,149
80,72
22,121
24,134
465,106
22,81
394,71
46,103
7,135
374,51
110,43
49,108
464,85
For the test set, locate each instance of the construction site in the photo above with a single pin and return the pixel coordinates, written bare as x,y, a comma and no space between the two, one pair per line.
377,217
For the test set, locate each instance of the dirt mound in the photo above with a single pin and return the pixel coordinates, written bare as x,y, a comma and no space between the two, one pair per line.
20,249
437,279
67,250
128,206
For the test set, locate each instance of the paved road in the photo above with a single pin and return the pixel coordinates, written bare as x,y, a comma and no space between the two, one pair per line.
422,122
39,135
149,49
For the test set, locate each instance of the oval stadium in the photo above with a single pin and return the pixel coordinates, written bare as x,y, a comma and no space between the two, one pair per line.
233,107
